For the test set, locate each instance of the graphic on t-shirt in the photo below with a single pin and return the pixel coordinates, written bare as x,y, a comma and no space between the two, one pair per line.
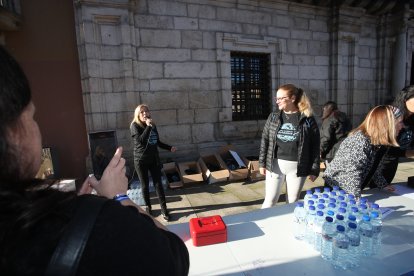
288,133
152,140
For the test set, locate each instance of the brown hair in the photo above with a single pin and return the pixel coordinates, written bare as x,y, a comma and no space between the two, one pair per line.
379,126
302,101
136,114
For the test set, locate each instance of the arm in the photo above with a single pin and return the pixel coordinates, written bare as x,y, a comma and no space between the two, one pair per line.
114,182
264,144
315,154
327,137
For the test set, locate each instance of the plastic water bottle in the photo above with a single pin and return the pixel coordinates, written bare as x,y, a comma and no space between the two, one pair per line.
310,220
342,193
340,255
340,198
342,211
317,192
335,189
332,194
320,207
310,203
344,205
354,242
307,197
351,203
351,218
350,197
331,214
331,207
376,223
328,233
299,221
355,212
319,220
363,209
325,197
366,232
375,207
340,220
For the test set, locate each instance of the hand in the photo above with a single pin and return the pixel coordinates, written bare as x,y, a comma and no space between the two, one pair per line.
149,122
390,188
173,149
86,187
113,179
312,178
262,171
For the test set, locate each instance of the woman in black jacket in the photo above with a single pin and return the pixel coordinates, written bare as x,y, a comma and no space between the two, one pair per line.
290,145
146,157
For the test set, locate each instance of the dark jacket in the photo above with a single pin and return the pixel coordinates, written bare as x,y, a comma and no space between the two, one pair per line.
308,144
146,143
334,130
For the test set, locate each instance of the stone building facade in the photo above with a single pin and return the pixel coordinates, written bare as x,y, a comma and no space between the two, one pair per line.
174,55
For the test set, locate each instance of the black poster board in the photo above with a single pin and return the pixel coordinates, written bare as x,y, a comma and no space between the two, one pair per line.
103,145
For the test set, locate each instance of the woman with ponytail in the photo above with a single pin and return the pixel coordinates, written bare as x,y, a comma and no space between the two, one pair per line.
289,147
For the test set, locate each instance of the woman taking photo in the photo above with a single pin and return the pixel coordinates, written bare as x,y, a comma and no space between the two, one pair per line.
289,147
35,218
146,157
359,157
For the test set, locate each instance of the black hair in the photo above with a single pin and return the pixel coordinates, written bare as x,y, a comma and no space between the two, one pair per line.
402,97
23,203
332,105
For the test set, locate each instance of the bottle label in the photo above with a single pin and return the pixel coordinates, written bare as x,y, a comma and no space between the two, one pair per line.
366,232
326,237
341,244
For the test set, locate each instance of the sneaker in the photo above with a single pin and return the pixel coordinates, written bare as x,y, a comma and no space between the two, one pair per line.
165,216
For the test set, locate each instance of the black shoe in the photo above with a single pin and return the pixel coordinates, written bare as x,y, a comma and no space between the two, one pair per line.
165,216
149,211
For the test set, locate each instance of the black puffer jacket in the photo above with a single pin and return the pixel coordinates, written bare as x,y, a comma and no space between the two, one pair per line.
308,144
334,130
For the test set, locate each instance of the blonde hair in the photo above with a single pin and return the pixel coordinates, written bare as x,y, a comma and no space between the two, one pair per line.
302,101
136,114
379,126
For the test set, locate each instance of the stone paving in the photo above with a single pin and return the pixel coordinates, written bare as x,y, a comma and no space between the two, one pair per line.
228,198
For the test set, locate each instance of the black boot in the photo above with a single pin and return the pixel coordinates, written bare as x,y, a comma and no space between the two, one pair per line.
165,214
148,209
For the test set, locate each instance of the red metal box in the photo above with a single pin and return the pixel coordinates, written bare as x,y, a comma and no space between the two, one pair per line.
208,230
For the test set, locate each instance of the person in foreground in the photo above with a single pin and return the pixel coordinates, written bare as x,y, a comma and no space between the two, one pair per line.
359,157
404,100
335,127
289,147
146,157
123,241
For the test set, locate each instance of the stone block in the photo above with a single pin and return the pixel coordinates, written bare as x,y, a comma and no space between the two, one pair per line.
364,62
174,84
149,70
299,23
160,54
164,116
165,100
318,25
167,8
185,116
110,34
185,23
321,60
156,22
203,55
175,134
320,36
160,38
318,48
206,115
297,46
190,70
192,39
289,71
203,99
115,102
209,40
209,84
281,21
250,29
220,26
202,132
313,72
301,34
110,69
304,60
278,32
201,11
364,73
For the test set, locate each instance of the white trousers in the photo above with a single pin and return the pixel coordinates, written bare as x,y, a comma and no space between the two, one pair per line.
282,169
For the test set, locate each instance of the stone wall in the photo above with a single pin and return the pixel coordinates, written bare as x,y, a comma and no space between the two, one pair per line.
175,56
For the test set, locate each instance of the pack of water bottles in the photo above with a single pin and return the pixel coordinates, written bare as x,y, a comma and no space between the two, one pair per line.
338,226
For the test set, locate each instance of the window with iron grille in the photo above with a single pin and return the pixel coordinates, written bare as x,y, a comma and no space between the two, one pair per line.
250,86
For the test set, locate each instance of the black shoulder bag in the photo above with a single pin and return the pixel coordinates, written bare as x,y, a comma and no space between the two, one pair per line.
65,259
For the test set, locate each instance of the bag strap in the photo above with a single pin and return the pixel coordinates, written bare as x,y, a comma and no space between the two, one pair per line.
65,259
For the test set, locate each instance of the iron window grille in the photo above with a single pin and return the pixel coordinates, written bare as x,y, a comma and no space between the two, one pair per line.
250,86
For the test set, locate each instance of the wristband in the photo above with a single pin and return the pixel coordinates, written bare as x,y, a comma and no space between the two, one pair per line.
120,197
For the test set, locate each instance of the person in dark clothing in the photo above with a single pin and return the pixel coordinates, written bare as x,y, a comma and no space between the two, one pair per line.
335,127
123,241
405,102
146,157
289,147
